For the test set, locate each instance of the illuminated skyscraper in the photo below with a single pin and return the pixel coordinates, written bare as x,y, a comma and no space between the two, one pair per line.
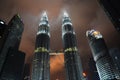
41,65
11,59
13,39
72,60
105,66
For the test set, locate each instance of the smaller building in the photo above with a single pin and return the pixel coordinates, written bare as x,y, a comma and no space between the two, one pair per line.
12,38
104,63
11,59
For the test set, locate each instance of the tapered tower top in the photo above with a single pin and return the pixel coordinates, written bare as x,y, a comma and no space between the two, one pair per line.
44,19
44,16
65,14
67,24
66,19
43,25
93,34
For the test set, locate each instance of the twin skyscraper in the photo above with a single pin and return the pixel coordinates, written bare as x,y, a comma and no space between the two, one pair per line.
41,60
74,71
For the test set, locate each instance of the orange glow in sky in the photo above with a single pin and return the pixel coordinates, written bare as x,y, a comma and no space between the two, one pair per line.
57,70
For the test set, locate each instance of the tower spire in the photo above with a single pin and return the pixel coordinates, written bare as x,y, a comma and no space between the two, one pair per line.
66,19
44,16
65,14
44,25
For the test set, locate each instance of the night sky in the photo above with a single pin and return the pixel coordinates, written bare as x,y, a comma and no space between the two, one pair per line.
85,15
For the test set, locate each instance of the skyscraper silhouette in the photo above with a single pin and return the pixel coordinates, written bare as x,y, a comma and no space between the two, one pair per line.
11,59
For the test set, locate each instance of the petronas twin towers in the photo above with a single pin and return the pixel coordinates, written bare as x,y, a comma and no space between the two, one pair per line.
41,67
41,59
74,71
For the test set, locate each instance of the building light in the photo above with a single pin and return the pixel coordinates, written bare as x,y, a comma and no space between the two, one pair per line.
97,34
93,34
1,22
84,74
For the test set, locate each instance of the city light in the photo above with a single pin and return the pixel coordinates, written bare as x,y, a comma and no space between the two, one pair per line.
93,33
1,22
97,34
84,74
65,14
